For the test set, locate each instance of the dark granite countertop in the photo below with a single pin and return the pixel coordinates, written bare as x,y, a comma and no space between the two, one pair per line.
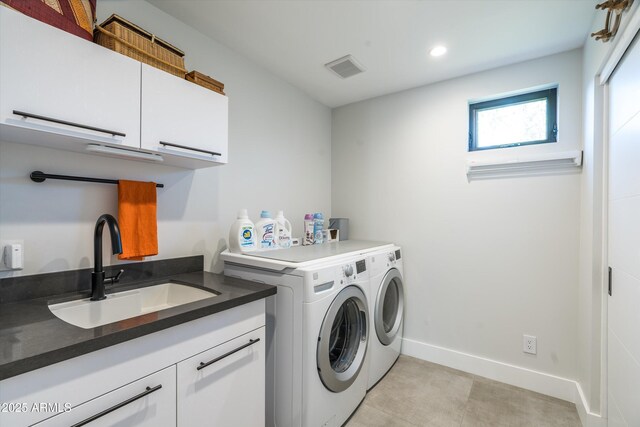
31,337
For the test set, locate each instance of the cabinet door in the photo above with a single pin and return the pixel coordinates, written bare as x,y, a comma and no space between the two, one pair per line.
180,117
224,386
50,73
148,402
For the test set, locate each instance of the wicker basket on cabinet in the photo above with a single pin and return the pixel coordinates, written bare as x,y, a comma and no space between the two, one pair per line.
206,81
122,36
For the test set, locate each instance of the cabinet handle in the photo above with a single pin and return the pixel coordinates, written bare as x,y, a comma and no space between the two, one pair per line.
217,359
147,392
213,153
64,122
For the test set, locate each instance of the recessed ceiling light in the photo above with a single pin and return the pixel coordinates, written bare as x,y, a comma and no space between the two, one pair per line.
438,51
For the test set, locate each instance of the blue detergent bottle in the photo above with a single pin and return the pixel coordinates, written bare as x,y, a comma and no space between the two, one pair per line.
318,226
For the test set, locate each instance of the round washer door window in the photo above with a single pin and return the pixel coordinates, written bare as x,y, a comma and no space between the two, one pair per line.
342,342
389,307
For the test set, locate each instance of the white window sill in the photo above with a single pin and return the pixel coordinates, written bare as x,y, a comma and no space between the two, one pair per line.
539,164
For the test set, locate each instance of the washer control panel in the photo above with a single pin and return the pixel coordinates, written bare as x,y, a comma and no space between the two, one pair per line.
350,271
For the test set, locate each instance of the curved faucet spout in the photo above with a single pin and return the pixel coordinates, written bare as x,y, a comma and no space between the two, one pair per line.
97,277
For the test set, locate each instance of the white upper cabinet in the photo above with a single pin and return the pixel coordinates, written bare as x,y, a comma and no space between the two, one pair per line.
60,77
61,91
180,117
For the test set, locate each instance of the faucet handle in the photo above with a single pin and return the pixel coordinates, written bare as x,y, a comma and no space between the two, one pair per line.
114,279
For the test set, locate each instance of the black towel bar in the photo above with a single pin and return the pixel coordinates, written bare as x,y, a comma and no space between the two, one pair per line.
39,176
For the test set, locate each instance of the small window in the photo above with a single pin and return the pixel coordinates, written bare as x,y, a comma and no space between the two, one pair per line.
513,121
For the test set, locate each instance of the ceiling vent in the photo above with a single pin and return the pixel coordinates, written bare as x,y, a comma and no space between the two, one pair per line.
346,66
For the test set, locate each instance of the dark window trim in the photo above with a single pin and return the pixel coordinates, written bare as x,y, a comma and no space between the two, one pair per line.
550,94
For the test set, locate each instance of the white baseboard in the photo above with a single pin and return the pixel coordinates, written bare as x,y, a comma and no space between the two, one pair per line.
540,382
588,418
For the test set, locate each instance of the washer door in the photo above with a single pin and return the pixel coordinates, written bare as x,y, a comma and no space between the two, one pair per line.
389,307
342,342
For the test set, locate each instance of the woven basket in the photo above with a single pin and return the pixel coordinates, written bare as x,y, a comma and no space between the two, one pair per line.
205,81
122,36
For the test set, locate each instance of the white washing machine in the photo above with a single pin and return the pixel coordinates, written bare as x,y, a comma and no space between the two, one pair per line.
335,339
386,311
318,329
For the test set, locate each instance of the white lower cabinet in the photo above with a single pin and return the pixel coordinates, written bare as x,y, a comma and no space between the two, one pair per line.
147,402
227,391
224,386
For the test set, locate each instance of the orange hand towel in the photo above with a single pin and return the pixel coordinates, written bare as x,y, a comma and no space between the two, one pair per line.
137,219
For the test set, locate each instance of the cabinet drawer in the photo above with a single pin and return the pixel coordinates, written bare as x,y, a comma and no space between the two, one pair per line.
224,386
149,401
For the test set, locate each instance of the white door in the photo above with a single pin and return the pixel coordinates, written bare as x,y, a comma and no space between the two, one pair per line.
624,241
55,82
224,386
182,118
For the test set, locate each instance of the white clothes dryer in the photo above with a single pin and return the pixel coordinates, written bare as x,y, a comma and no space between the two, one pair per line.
318,329
386,311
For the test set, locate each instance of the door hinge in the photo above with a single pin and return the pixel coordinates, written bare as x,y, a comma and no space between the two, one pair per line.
610,281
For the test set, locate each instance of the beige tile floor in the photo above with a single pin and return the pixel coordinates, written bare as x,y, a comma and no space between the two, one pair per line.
419,393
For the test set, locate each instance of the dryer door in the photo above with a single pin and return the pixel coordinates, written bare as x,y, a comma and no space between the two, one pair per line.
389,307
342,342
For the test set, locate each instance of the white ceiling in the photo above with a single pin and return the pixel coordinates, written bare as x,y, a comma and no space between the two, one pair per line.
294,39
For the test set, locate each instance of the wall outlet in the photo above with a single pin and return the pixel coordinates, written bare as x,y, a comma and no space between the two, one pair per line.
529,344
11,255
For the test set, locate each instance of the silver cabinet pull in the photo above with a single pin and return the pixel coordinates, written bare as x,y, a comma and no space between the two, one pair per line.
64,122
213,153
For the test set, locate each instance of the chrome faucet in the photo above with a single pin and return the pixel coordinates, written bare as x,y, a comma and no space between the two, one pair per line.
98,277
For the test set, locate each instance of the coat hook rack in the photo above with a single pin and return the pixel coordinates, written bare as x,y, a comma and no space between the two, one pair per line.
614,10
39,176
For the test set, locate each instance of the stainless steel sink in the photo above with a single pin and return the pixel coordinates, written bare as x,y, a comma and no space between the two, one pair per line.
127,304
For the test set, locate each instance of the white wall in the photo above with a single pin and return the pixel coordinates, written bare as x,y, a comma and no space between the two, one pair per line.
280,154
485,261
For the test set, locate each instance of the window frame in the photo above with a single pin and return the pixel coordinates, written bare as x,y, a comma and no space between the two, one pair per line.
550,94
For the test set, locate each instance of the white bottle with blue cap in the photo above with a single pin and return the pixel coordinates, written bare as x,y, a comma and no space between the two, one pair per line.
242,234
283,231
266,231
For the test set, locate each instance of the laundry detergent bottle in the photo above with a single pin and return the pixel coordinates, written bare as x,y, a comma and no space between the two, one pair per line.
318,226
283,231
308,230
266,231
242,236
